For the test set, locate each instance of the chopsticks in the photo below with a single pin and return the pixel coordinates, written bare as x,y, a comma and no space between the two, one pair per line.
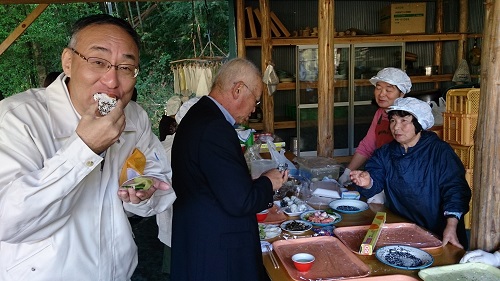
272,257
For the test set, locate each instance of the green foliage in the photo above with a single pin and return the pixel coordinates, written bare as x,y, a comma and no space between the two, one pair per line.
167,30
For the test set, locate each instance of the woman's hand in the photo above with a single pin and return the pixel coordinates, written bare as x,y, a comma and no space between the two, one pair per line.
450,233
361,178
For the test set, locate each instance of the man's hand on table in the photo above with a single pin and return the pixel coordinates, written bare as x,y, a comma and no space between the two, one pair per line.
130,195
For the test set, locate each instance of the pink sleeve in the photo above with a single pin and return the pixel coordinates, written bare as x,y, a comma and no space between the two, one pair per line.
368,145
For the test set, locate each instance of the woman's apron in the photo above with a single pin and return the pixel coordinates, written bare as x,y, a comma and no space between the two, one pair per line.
382,131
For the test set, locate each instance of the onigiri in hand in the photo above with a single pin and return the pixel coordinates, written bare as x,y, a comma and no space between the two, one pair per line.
105,103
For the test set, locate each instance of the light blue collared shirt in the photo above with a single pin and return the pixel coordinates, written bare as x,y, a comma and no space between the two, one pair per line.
228,116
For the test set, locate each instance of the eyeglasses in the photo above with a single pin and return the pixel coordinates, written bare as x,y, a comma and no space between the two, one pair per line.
102,66
257,102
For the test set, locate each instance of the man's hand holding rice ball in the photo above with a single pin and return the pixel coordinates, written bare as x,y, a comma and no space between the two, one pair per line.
103,123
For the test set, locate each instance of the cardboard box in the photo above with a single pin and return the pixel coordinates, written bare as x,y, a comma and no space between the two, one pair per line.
371,237
403,18
279,145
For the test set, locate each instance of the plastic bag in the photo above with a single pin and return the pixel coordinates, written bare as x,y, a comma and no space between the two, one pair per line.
437,111
279,156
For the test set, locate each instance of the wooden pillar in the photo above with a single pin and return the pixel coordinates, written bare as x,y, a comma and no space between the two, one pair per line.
438,46
485,230
462,28
240,28
326,77
266,45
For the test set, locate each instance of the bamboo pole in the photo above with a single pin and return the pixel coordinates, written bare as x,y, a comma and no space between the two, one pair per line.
326,13
266,45
240,28
485,231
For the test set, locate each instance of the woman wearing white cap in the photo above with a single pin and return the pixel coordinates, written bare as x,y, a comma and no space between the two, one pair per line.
423,178
390,83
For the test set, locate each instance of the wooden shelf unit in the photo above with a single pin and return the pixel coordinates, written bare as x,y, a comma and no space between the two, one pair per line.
267,42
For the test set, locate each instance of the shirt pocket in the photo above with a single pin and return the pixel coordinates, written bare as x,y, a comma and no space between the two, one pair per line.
27,261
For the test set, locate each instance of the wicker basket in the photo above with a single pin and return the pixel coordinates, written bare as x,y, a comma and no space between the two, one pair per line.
465,153
459,128
463,101
468,217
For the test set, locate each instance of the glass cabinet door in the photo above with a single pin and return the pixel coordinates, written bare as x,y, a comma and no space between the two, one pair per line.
354,105
307,98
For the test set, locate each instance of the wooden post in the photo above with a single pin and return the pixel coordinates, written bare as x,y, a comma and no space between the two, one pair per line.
485,231
266,45
240,27
438,46
462,28
326,13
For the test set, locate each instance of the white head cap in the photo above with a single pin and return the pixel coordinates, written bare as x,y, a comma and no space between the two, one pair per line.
184,109
173,105
419,109
393,76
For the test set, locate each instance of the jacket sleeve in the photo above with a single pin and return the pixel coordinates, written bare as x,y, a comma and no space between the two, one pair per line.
455,190
377,167
38,189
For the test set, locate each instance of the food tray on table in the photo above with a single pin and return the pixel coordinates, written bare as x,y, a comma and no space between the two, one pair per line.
333,259
461,272
395,277
293,206
407,234
275,216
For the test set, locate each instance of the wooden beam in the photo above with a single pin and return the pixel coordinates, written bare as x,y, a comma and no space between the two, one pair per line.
326,13
267,47
74,1
240,28
22,27
485,230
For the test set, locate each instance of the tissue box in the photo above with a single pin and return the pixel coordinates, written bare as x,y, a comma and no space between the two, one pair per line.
326,189
319,167
372,235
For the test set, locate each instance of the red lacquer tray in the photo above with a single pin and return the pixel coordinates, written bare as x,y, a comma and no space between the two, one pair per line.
395,277
407,234
333,259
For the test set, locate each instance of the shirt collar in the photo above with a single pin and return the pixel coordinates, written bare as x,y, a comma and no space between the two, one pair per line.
228,116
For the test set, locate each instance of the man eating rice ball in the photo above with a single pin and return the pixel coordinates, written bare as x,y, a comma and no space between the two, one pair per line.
63,215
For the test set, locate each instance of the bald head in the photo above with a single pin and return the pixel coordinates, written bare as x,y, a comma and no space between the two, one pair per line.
235,70
237,87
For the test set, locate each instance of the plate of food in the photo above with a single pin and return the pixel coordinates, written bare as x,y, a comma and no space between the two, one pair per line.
404,257
268,231
139,183
348,206
296,227
321,218
293,206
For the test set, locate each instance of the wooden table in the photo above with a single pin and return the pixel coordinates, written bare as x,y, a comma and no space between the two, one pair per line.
442,256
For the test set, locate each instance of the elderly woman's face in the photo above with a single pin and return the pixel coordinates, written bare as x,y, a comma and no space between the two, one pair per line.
386,93
403,130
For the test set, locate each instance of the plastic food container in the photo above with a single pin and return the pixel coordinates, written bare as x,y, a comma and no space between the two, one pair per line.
319,167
